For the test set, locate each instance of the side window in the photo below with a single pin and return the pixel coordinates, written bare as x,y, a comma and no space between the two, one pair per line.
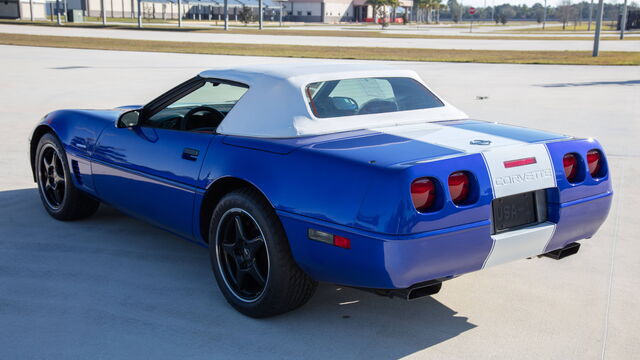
200,110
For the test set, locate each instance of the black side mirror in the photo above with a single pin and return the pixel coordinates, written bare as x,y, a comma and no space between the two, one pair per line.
129,119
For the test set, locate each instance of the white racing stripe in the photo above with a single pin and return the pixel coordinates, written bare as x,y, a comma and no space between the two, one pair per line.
448,136
519,244
519,179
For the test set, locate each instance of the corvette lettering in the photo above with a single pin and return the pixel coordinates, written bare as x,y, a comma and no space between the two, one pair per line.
523,177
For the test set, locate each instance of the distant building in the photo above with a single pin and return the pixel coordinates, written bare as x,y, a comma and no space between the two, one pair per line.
168,9
333,11
319,11
21,9
9,9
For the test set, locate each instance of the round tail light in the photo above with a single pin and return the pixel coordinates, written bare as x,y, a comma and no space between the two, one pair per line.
570,163
594,160
459,187
423,193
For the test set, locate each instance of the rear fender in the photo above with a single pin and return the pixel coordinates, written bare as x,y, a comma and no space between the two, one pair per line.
388,206
587,185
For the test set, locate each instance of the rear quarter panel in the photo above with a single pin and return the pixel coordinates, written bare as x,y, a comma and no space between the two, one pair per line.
300,182
579,208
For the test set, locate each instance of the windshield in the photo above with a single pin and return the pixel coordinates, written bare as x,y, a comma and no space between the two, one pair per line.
348,97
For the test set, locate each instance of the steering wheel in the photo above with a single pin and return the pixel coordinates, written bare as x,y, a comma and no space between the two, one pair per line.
215,117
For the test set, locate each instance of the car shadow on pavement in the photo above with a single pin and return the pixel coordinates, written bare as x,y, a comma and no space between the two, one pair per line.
115,286
593,83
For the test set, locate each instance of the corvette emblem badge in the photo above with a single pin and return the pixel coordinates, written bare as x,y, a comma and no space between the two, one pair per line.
480,142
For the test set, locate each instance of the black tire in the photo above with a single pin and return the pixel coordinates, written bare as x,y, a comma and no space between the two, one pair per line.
286,287
59,196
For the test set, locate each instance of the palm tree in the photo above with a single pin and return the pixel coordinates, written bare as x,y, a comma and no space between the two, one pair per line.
419,6
380,9
426,8
437,5
394,7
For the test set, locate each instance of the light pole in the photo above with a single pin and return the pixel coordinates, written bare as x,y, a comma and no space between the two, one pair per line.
260,15
139,14
104,13
596,38
31,9
226,15
179,13
623,21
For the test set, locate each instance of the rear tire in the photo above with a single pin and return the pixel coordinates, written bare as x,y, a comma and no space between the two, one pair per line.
59,196
251,258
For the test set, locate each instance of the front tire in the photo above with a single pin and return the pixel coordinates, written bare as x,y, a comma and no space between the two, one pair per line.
59,196
251,259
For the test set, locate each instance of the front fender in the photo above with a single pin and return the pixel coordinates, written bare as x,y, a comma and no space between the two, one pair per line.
78,131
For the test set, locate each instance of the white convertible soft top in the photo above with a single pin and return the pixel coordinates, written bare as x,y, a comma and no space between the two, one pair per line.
275,104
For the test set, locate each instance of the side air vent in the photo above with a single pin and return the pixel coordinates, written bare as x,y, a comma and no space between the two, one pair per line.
76,171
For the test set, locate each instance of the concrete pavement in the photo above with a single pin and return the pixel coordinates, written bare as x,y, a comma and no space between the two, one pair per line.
472,44
113,287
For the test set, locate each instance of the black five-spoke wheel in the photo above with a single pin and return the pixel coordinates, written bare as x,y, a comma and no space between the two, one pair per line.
242,254
251,258
51,179
60,197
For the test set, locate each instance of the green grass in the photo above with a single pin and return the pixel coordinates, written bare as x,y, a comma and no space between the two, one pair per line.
327,52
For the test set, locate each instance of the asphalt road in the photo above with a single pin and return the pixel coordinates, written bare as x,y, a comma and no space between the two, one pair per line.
472,44
112,287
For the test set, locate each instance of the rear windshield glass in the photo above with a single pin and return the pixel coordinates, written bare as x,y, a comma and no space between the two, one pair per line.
368,96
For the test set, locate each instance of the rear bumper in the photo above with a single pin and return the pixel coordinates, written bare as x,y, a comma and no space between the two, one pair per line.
399,261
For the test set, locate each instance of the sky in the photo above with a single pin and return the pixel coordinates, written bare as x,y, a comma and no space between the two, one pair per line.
481,3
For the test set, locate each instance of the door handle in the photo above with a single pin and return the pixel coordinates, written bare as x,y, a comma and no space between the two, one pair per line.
190,154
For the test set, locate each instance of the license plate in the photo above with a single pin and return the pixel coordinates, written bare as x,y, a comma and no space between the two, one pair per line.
516,211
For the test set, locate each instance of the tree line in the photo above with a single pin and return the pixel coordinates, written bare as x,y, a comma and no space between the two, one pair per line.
432,11
565,12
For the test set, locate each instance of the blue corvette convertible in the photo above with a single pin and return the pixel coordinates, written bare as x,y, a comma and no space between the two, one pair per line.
357,175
